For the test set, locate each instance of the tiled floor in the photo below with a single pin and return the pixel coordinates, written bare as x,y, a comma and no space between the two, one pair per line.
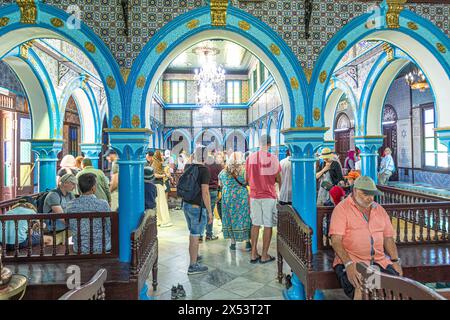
230,275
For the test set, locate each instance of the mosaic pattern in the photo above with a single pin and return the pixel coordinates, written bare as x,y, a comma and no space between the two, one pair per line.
178,118
9,80
286,17
234,117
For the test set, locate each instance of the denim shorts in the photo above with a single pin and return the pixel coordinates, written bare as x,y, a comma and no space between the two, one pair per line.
192,215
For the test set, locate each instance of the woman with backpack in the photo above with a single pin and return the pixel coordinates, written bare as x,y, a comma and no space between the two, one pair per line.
236,222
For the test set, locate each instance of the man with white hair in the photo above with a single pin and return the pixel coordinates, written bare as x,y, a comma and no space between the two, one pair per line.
387,167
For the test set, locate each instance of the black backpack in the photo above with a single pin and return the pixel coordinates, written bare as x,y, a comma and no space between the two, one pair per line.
188,187
41,199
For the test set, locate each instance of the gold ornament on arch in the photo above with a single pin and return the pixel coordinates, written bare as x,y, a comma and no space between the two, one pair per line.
393,13
90,47
56,22
135,121
299,121
441,47
193,24
111,82
275,49
323,76
28,11
342,45
412,26
244,25
219,12
140,82
294,83
116,122
316,114
4,21
161,47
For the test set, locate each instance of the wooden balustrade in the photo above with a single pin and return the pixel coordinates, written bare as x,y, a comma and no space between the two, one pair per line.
393,195
41,252
296,234
6,205
419,223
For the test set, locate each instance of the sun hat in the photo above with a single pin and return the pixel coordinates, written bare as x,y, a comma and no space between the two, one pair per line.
68,178
148,174
326,154
366,184
353,175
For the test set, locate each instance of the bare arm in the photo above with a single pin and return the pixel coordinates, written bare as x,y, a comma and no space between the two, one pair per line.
207,201
391,250
278,179
58,209
114,182
353,276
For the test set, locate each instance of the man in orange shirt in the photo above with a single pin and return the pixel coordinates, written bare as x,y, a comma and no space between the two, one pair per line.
361,231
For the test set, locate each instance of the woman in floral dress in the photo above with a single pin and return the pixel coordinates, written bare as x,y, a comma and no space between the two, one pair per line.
236,222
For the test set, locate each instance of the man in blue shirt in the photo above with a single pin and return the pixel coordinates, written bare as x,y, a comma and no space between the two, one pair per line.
387,167
88,202
26,206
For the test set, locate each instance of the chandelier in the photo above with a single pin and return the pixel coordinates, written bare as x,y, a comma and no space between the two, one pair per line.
417,80
208,79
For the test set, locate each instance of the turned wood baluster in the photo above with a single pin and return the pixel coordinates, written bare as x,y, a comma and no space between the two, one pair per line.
405,231
103,235
444,224
3,238
414,223
421,223
54,237
309,248
66,236
41,242
91,235
30,240
428,225
79,235
437,222
397,216
16,239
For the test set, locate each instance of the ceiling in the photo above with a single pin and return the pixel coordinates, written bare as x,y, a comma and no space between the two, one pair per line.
232,57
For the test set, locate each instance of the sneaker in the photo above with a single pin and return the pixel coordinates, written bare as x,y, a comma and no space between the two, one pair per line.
197,268
199,258
181,292
233,246
174,294
209,238
248,246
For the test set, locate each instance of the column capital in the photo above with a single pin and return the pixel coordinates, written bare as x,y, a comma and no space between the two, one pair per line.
303,142
47,149
369,144
130,144
91,150
444,136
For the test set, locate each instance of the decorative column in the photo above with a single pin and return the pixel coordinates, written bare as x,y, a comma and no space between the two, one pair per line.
282,152
47,152
303,143
92,151
369,146
130,145
329,144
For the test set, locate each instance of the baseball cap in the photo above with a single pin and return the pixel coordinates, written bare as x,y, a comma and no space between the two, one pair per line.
68,178
148,173
366,184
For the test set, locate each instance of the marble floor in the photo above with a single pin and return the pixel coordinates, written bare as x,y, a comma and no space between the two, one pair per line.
230,275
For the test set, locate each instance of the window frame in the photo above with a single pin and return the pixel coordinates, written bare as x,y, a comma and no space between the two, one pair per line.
239,83
178,82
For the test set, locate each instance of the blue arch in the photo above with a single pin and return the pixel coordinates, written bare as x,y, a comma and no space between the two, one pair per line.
259,34
101,58
427,35
229,133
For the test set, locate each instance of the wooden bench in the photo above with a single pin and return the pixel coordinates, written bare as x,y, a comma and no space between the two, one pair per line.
92,290
380,286
422,236
46,267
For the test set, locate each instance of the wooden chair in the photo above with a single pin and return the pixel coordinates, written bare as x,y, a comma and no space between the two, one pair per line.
381,286
92,290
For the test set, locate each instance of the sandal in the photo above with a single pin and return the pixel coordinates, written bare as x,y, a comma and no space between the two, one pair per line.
268,260
258,258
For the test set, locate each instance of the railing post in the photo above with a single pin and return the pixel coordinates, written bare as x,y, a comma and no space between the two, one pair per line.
369,146
303,143
47,151
130,145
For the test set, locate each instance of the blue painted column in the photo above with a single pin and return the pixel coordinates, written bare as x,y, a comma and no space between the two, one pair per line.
303,143
92,151
282,152
329,144
131,145
47,157
369,146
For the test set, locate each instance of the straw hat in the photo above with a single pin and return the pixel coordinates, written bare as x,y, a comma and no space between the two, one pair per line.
326,154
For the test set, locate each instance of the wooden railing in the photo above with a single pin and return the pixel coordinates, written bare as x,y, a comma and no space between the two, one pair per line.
381,286
393,195
296,234
420,223
56,251
6,205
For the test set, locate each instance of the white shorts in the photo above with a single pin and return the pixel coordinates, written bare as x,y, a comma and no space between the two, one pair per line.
263,212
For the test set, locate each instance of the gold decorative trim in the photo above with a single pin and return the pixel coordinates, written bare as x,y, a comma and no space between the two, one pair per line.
332,84
193,24
136,121
294,83
116,122
90,47
308,74
389,51
393,13
275,50
318,129
342,45
323,76
140,82
316,114
24,49
244,25
441,47
111,82
161,47
56,22
128,130
125,72
442,129
219,12
28,11
412,26
4,21
299,121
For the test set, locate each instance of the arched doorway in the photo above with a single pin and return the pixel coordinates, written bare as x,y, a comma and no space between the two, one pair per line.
390,132
343,133
71,131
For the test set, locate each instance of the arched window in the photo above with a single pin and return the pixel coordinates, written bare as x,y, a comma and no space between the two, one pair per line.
342,122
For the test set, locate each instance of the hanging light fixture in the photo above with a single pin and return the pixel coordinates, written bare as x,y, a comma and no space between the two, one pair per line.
417,80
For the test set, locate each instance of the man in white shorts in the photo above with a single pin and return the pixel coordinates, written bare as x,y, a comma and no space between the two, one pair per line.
262,172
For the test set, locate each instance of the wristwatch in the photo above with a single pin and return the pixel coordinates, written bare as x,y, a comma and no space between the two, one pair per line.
398,260
348,264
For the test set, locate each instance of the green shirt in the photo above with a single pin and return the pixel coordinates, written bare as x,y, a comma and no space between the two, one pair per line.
102,191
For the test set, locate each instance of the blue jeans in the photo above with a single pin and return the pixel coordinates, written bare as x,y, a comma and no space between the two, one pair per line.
60,226
209,227
196,223
35,240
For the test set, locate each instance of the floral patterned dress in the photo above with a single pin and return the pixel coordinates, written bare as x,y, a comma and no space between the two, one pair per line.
236,222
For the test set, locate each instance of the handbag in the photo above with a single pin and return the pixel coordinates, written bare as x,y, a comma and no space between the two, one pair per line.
240,183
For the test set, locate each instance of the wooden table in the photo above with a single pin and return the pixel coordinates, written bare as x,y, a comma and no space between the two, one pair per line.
16,286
